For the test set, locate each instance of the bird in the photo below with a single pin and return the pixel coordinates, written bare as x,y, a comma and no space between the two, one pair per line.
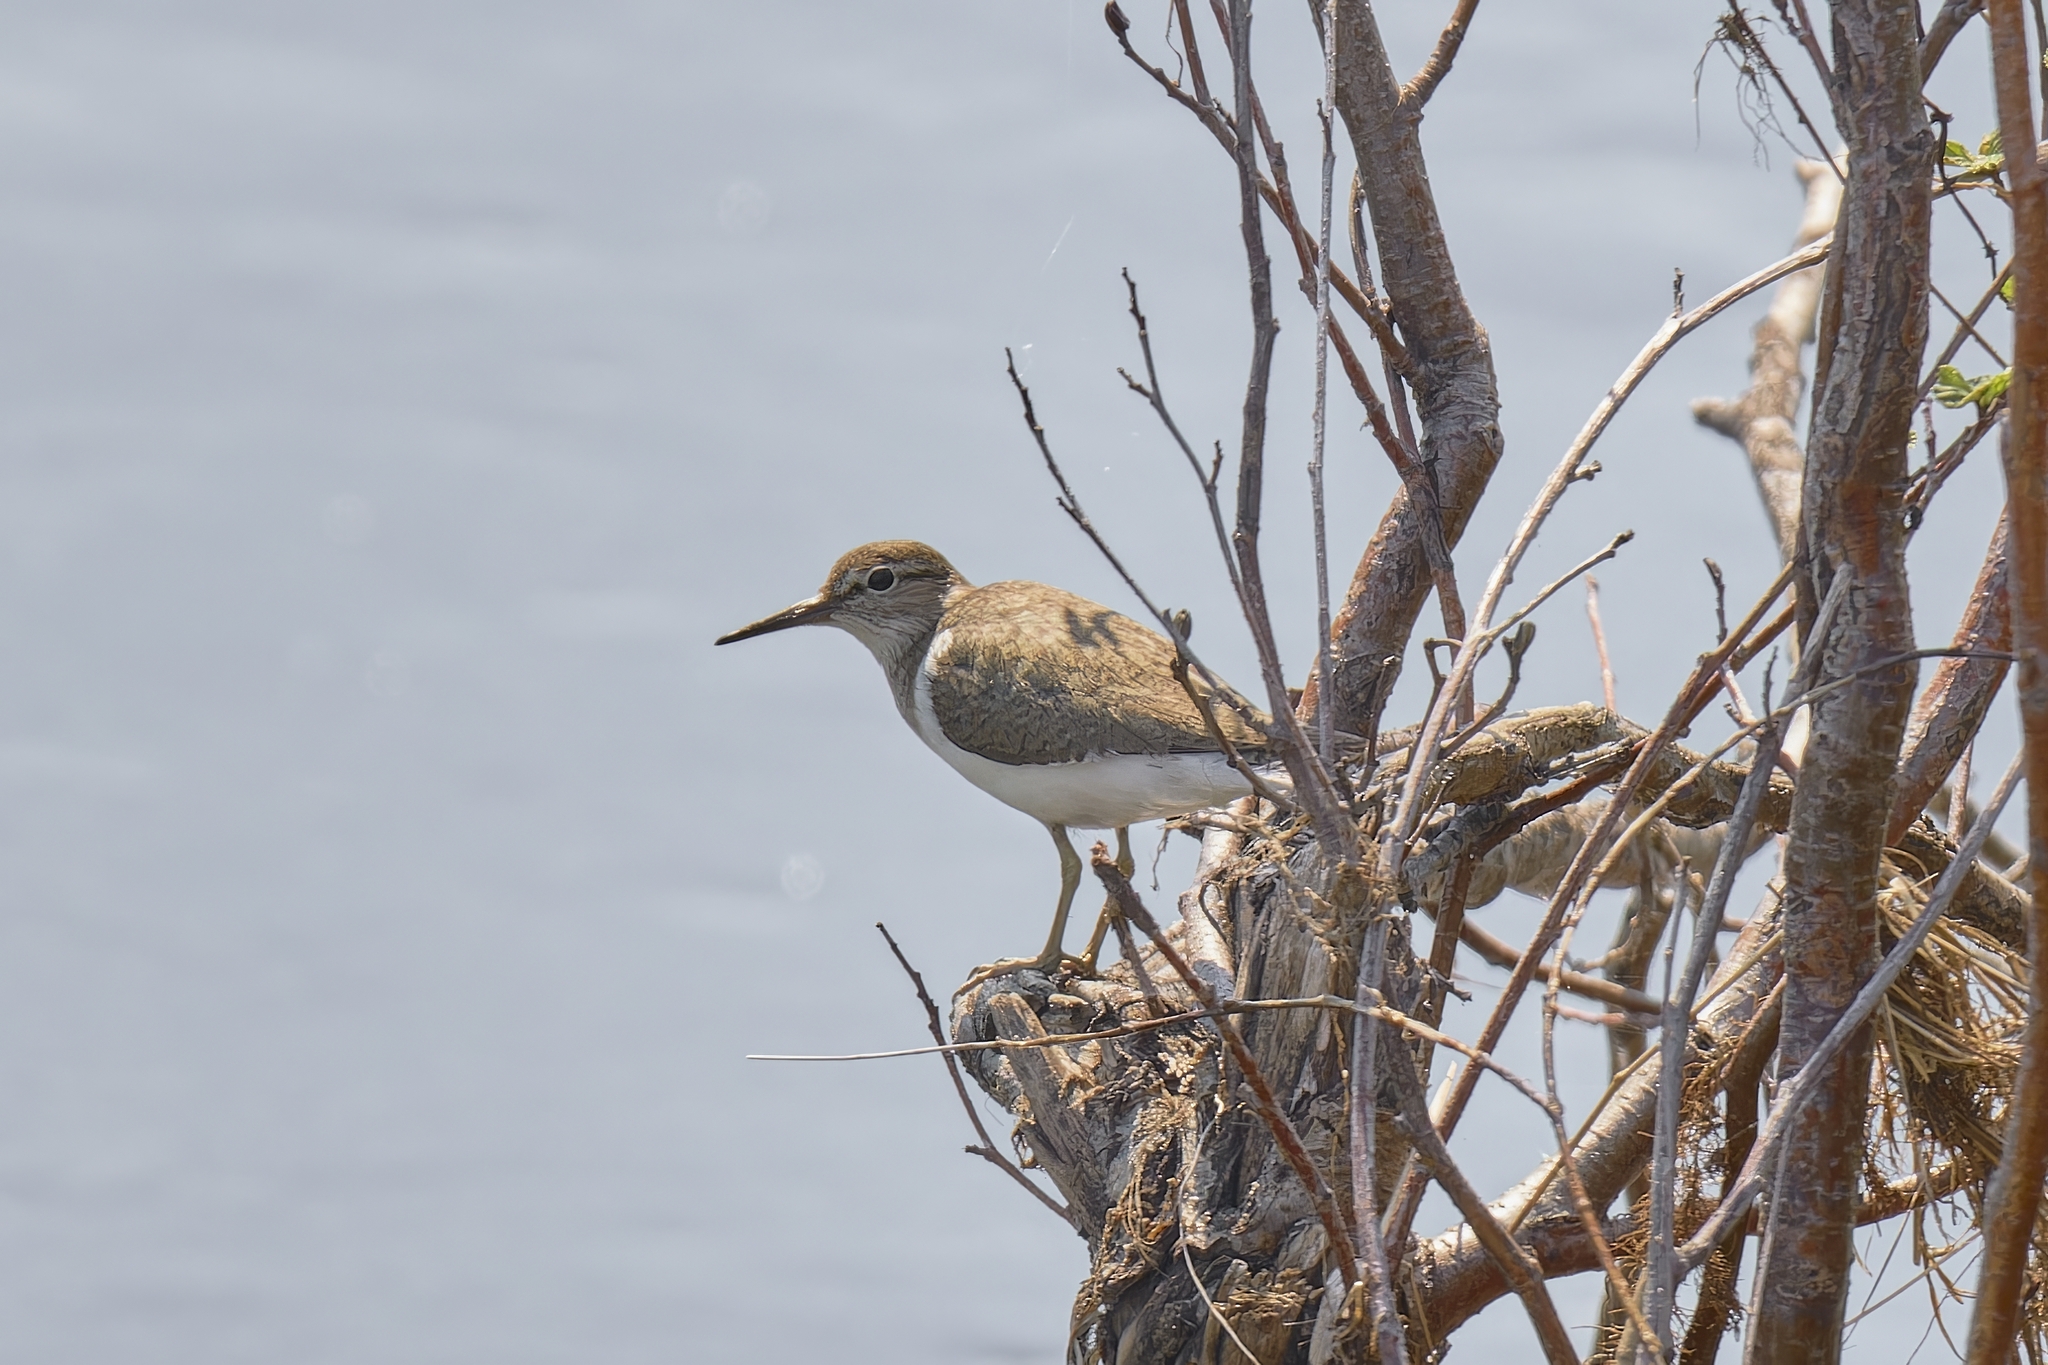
1055,705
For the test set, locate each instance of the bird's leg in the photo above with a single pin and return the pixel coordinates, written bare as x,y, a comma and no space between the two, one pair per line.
1055,954
1070,882
1125,865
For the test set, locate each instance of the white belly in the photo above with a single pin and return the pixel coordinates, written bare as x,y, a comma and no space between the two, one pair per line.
1106,791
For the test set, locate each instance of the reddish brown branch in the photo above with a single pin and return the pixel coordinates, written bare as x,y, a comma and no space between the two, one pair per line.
1948,21
1452,373
1953,706
1854,533
2013,1201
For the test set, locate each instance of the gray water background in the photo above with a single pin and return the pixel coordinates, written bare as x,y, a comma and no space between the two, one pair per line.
394,402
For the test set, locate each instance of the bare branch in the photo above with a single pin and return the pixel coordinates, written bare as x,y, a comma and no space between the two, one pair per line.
1312,784
1764,419
1958,697
1451,370
1800,25
1675,329
1574,887
1524,1276
987,1149
1416,93
1325,659
1947,23
1663,1271
1599,641
1873,336
1375,1273
1966,328
1193,50
2012,1203
1070,503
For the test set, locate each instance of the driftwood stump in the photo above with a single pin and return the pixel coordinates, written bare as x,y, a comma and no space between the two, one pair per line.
1204,1244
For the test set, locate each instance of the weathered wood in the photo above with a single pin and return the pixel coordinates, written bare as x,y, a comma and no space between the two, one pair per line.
1155,1155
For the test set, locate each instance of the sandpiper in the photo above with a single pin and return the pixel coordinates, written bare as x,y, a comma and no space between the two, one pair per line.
1048,702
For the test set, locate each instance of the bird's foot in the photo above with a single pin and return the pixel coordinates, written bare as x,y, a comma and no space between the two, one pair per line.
1052,964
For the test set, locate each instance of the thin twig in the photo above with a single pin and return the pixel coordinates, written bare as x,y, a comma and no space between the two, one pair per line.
1600,642
1325,662
1219,125
1574,889
1155,1006
1374,1270
1557,585
1966,323
1966,328
1568,470
1070,503
1314,789
1928,481
987,1149
1801,27
1210,1304
1443,944
1193,50
1752,44
1498,953
1663,1254
1575,1184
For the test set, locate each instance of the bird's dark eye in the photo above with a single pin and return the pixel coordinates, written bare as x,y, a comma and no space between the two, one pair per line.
881,580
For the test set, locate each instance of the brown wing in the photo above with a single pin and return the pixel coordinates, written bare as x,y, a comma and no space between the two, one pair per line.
1031,674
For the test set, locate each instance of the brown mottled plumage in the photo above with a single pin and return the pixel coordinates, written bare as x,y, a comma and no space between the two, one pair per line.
1035,674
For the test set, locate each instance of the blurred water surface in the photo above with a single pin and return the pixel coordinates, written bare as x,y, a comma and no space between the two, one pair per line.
394,402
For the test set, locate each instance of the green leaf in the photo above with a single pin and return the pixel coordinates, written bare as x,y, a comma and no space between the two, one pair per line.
1987,161
1990,389
1953,390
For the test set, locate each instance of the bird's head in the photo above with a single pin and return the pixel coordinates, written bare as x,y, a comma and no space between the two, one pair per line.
887,594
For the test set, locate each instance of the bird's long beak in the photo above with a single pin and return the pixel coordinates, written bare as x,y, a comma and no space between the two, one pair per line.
810,611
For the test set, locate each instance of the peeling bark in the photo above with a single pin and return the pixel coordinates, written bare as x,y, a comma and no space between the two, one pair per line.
1874,331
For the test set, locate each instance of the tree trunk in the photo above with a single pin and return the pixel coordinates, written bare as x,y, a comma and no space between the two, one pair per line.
1874,329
